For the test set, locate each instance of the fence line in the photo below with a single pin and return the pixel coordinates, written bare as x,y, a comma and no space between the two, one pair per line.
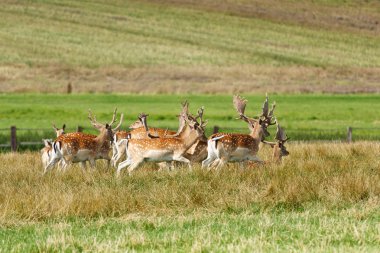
14,144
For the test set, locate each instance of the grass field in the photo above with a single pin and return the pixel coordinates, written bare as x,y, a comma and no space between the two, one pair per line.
181,46
150,55
305,117
323,198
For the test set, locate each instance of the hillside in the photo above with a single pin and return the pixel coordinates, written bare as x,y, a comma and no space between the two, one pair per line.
178,46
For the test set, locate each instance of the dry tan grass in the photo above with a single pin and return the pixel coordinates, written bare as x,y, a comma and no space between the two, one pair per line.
191,79
325,173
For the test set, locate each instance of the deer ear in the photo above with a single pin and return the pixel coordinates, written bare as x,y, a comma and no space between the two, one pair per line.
47,143
107,126
64,126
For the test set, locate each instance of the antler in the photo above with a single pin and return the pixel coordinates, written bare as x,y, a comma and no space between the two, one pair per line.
185,108
240,104
265,106
184,114
280,134
268,115
118,126
93,120
200,116
113,117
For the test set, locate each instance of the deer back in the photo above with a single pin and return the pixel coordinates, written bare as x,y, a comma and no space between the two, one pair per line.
232,141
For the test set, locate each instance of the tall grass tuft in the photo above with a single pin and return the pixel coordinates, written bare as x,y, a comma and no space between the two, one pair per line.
330,174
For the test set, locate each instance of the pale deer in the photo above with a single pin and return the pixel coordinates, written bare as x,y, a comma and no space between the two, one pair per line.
81,147
139,131
164,149
234,147
47,149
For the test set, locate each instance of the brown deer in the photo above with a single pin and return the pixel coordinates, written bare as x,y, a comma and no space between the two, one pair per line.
279,149
81,147
234,147
164,149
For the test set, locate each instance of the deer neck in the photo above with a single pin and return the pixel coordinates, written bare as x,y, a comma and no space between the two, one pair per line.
276,154
102,137
190,139
257,131
184,132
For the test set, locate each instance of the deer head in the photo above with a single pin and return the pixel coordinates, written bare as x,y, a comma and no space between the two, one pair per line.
105,130
279,149
143,119
58,131
264,120
199,127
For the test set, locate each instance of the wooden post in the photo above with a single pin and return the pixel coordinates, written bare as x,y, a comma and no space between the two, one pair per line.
69,88
79,129
349,134
13,139
216,129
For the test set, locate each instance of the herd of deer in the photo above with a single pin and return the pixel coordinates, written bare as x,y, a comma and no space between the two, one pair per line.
147,144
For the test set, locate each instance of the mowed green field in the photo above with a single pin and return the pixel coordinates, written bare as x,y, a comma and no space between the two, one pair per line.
305,117
323,198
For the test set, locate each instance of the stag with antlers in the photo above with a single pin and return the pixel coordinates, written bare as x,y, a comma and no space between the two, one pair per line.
196,153
165,149
234,147
81,147
279,149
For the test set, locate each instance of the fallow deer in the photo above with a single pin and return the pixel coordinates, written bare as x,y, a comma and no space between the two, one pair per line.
279,149
139,131
81,147
164,149
47,149
234,147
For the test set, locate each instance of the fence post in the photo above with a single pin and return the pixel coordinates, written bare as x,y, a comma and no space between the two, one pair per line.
79,129
69,88
349,134
215,130
13,139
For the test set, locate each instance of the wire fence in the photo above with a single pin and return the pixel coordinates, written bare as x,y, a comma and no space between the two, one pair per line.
21,139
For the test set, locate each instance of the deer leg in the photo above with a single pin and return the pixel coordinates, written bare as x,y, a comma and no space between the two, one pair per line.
134,165
92,163
61,164
121,150
214,163
51,164
83,166
255,158
183,159
242,165
163,165
211,156
122,165
114,154
222,161
118,156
